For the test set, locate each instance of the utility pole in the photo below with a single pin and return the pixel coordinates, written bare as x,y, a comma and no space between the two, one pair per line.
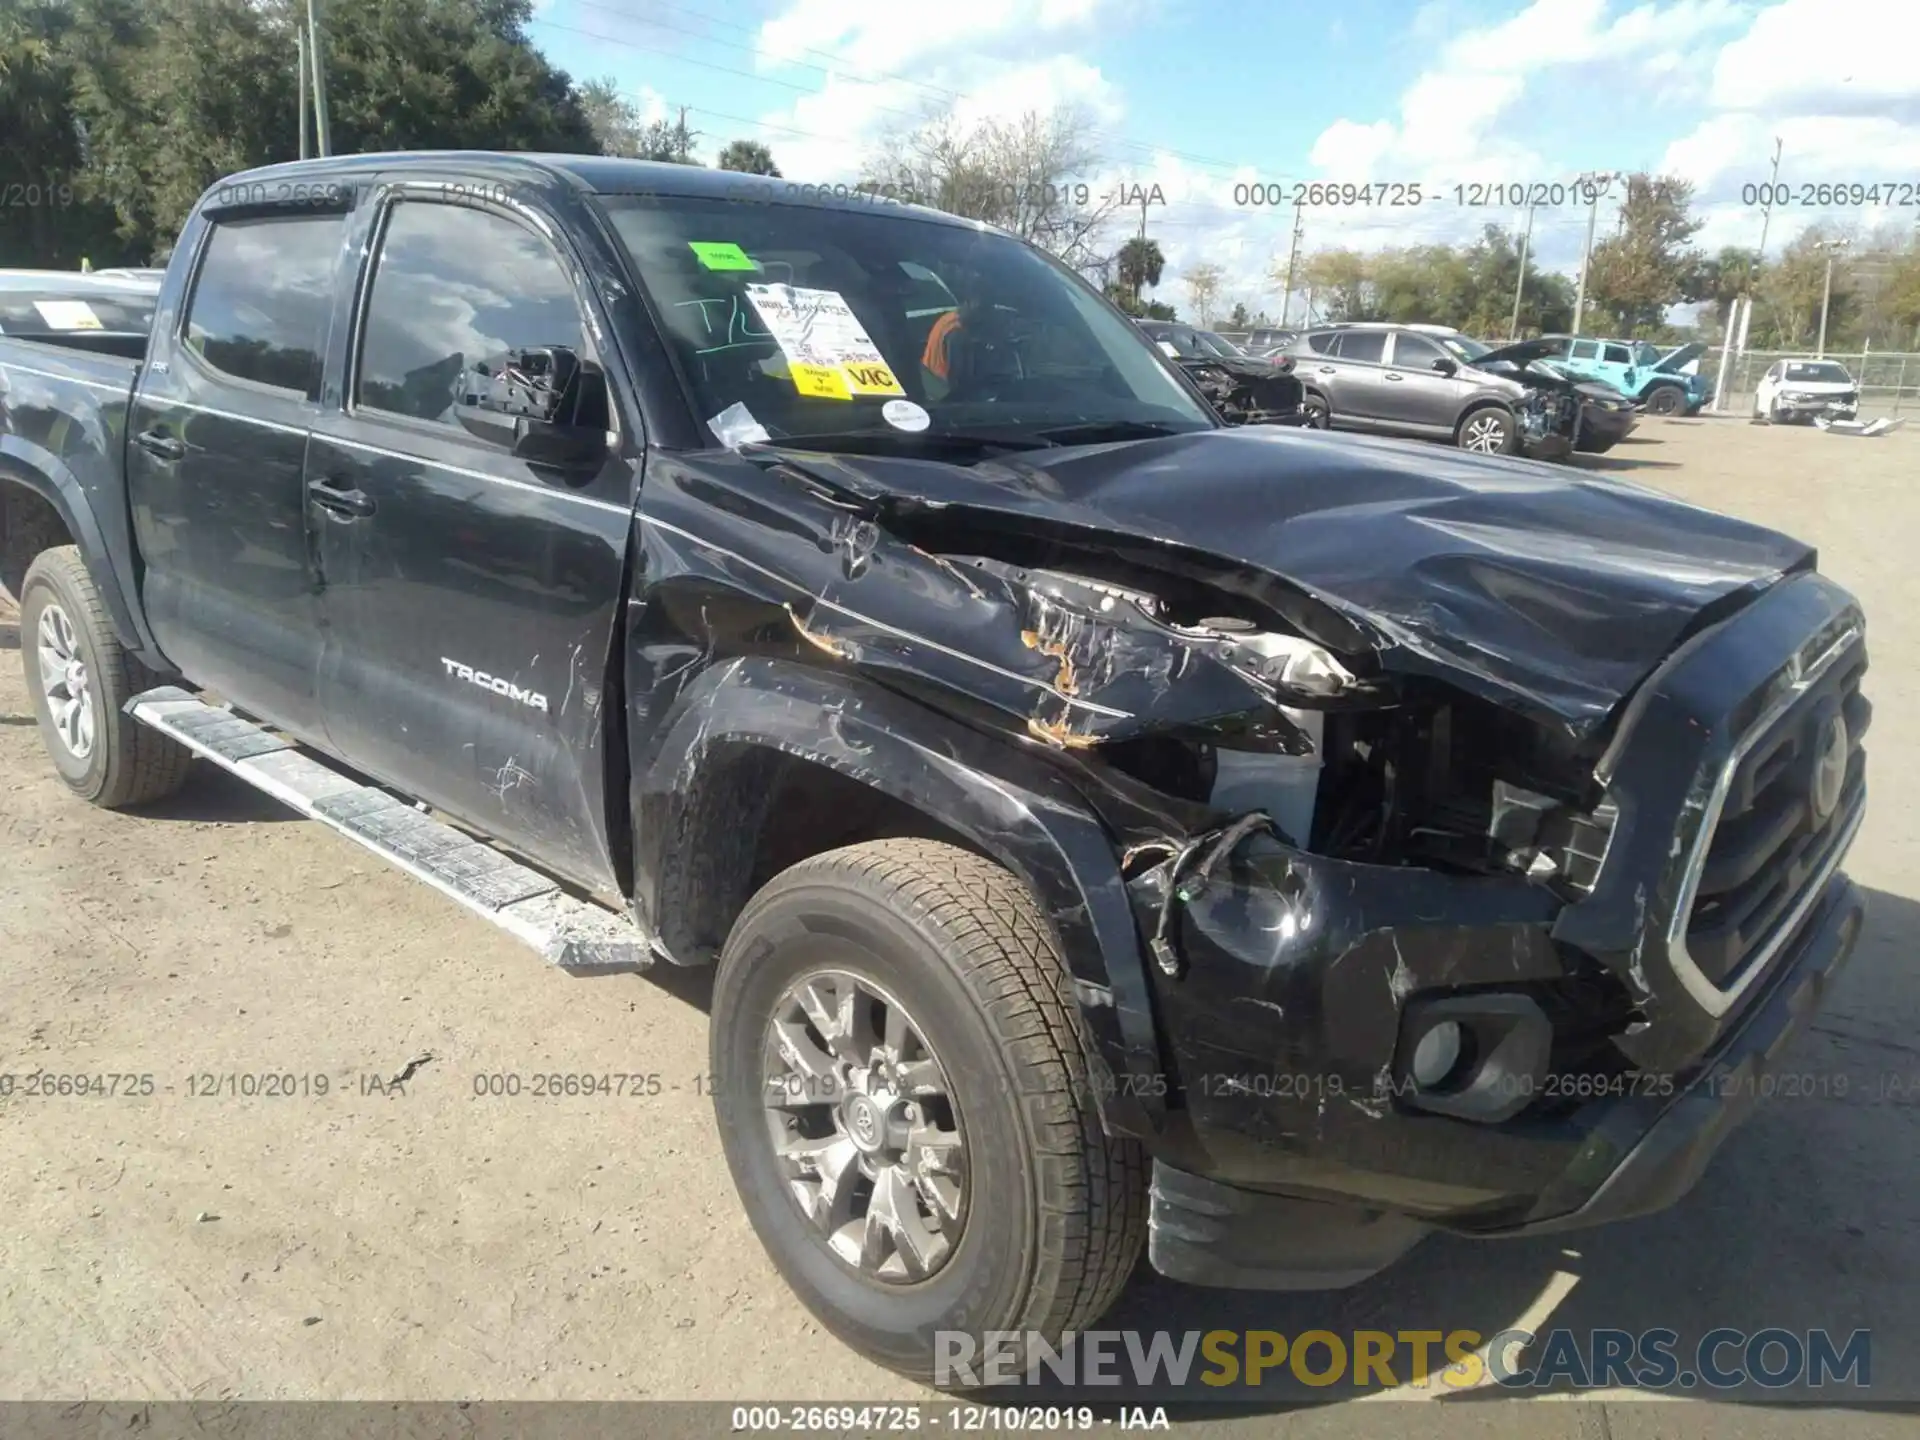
681,149
300,71
1734,342
1826,295
1140,266
1293,253
1520,281
323,129
1595,182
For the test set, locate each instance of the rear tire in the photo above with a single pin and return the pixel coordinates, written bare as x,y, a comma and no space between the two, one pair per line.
1043,1217
1318,415
80,678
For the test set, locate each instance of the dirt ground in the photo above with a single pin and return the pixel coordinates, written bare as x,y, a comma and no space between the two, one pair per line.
411,1240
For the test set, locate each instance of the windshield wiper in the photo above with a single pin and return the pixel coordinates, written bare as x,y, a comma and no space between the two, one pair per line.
888,441
1095,431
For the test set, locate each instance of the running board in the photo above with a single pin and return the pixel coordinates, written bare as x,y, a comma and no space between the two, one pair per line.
571,933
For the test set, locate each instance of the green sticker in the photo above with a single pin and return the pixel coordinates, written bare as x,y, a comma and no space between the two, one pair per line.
721,255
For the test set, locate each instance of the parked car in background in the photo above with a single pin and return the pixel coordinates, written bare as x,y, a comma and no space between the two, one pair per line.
1639,370
1245,389
1606,416
1266,340
1398,380
1796,391
110,315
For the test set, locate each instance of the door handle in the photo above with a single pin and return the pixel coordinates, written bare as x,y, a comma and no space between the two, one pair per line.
161,445
1326,370
1395,375
330,495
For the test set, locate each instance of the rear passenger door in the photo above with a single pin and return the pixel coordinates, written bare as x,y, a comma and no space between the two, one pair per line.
470,594
1352,378
218,440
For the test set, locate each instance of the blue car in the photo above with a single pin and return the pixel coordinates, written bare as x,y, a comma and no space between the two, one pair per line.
1638,370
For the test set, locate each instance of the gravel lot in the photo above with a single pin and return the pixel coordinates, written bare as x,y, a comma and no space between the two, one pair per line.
424,1243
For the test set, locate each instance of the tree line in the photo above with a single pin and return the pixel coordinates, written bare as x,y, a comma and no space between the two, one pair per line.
1645,267
115,115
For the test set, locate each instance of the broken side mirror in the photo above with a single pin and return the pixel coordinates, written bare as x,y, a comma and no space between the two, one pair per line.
543,404
1446,366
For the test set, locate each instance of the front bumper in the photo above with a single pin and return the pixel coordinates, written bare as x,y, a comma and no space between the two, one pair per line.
1817,405
1666,990
1640,1154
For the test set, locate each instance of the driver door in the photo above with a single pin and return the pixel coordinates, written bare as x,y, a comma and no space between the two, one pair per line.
470,595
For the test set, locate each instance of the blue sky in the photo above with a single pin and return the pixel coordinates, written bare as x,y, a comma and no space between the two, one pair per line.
1201,98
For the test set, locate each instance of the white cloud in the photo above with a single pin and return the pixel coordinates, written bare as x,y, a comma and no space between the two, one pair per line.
887,37
1816,57
1447,129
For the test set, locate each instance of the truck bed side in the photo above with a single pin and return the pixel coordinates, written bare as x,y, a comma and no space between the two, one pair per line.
63,436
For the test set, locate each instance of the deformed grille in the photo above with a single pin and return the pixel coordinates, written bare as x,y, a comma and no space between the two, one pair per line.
1790,803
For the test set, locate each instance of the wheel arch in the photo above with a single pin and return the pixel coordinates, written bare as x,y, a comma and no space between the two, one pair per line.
41,506
752,735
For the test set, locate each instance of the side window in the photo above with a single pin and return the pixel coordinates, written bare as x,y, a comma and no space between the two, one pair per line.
1415,353
262,299
454,286
1368,345
1774,371
1619,355
1324,342
1586,350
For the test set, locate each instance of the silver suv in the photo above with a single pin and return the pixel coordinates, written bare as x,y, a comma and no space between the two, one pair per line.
1434,383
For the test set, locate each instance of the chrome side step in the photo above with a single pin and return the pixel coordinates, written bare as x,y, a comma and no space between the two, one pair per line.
571,933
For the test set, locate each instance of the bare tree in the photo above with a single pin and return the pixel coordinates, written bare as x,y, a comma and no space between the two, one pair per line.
1203,288
1028,175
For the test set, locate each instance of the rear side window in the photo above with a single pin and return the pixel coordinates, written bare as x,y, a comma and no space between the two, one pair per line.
1586,350
1363,345
454,286
263,297
1324,342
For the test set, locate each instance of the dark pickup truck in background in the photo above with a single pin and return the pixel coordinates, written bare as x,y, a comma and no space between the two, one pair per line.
1113,829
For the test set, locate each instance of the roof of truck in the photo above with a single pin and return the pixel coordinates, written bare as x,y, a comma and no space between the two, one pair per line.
598,174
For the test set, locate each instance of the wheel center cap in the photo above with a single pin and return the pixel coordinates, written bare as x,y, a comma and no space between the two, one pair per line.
866,1123
76,678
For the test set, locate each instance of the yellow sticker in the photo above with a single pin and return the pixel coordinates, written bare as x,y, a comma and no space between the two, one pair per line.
823,381
871,380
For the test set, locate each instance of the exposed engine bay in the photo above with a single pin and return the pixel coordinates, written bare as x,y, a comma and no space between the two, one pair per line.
1251,392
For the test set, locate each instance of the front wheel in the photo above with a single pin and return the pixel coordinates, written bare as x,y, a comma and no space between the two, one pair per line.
80,678
1487,431
902,1093
1666,400
1318,416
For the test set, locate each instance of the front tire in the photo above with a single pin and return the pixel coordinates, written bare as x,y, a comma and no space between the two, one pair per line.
1488,431
902,1093
1666,400
1318,415
80,678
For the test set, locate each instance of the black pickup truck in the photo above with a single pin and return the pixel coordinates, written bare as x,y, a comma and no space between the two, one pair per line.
1113,829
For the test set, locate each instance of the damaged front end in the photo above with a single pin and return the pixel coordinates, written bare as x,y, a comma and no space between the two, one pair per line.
1468,815
1249,391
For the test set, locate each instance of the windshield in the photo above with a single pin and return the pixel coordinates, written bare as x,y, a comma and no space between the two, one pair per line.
1464,348
1214,344
1818,371
822,322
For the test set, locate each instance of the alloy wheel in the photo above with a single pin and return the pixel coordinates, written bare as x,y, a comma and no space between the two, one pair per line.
65,682
863,1123
1486,435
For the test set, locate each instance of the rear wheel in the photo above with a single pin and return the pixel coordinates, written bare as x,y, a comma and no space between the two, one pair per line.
1487,431
1666,400
1319,417
80,678
903,1097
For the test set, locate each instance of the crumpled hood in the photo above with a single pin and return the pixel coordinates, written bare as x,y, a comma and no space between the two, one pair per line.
1549,592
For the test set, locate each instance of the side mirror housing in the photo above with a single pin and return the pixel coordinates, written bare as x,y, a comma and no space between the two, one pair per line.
542,404
1446,366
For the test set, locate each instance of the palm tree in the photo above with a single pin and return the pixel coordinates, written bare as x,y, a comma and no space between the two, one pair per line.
1140,264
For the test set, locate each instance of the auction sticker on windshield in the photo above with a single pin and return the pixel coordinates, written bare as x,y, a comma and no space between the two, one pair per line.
721,255
828,350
